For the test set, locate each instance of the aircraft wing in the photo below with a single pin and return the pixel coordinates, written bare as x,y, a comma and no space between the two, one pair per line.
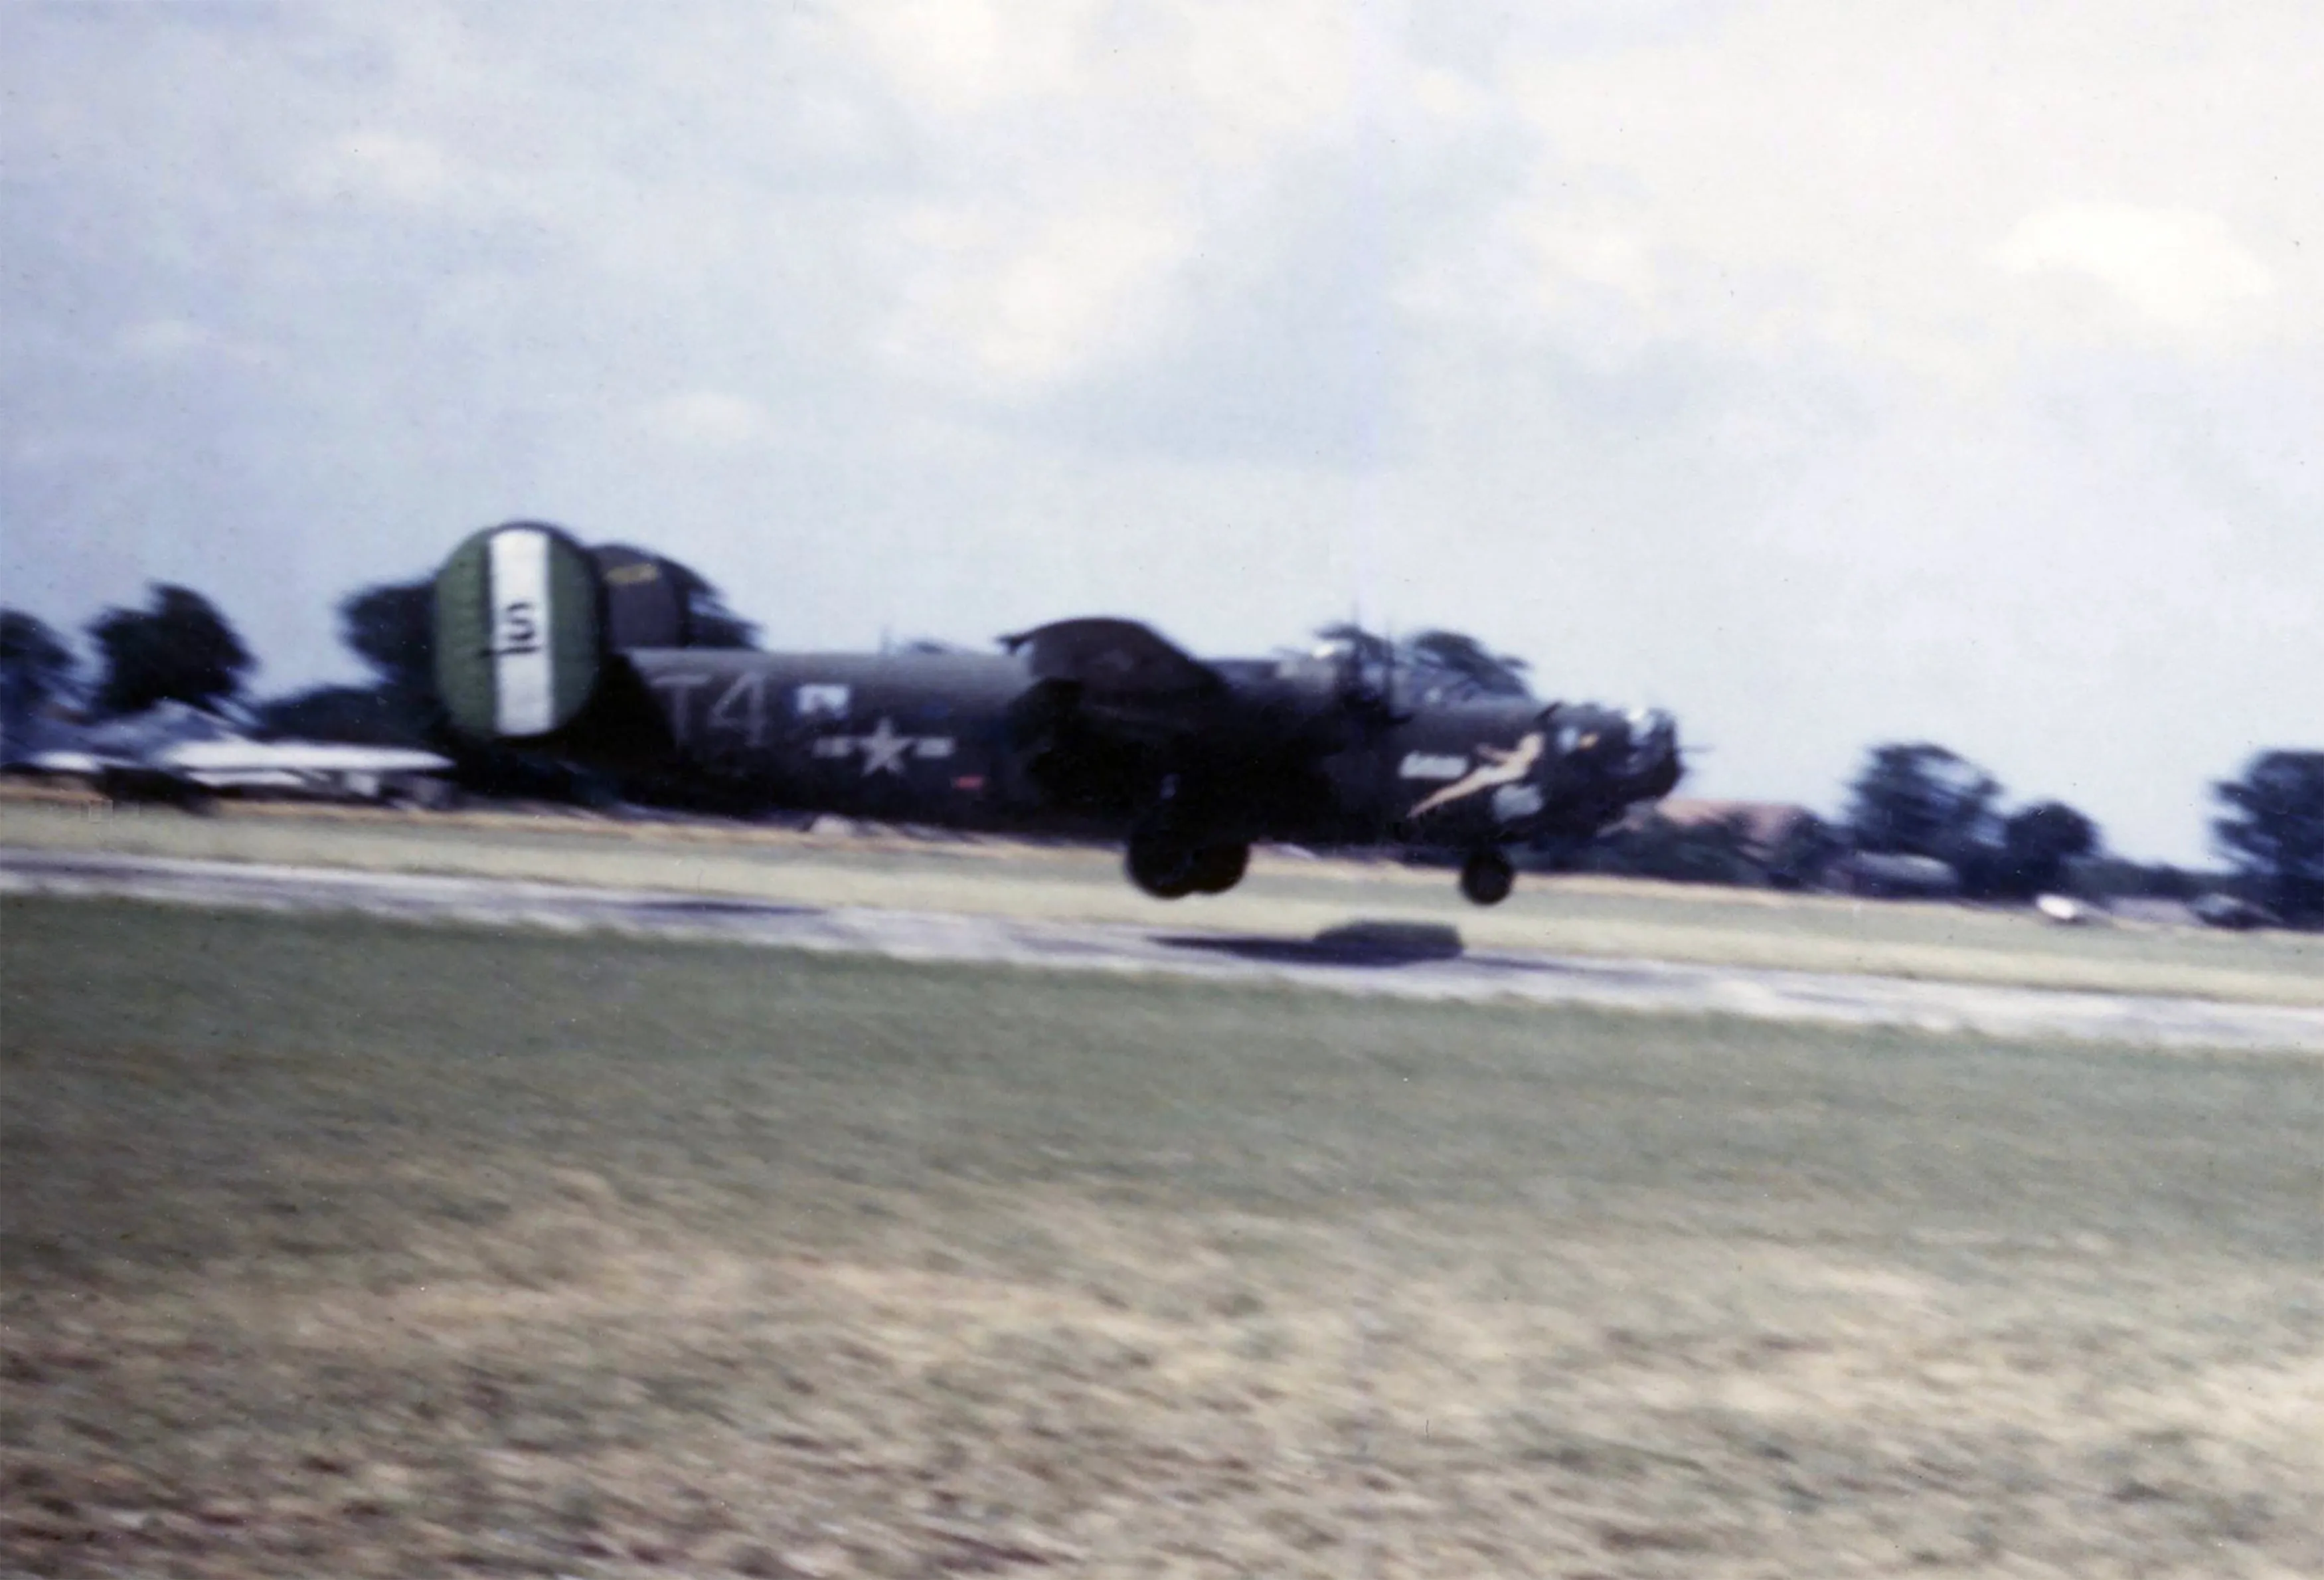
295,757
1117,660
292,766
1118,717
88,764
1111,684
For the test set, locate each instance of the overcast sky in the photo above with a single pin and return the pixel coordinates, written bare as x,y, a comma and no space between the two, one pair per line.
1827,371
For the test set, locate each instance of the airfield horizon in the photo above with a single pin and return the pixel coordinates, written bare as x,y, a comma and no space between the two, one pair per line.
1288,894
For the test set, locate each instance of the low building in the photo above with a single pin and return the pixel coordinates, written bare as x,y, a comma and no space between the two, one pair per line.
1767,827
1893,875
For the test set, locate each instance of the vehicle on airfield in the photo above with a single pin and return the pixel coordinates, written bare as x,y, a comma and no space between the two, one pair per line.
1095,726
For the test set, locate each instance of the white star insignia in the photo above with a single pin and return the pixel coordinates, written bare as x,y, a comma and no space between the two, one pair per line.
883,749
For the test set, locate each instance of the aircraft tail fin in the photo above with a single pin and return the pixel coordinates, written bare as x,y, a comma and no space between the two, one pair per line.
520,631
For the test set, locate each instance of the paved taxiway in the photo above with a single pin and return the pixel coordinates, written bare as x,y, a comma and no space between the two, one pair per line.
1402,960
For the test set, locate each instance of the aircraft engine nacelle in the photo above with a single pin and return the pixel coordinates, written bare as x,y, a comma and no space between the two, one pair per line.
520,629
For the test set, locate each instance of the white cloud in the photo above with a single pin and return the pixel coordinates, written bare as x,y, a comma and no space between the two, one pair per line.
964,56
1265,76
705,420
1230,81
1013,302
383,166
2178,271
166,340
1806,172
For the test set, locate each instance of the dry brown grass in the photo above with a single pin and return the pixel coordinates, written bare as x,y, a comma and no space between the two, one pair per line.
341,1247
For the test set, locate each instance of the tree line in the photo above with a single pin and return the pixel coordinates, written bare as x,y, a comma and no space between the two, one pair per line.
1915,800
1926,804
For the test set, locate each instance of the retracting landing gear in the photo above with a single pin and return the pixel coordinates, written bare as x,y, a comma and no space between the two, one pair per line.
1486,877
1163,867
1220,868
1172,869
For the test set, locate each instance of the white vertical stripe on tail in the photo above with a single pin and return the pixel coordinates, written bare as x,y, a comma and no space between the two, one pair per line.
524,703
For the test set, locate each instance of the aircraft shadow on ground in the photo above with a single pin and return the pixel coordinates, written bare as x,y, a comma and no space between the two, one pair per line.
745,908
1355,943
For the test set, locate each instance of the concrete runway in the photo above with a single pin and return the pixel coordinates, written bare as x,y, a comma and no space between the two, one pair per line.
1398,959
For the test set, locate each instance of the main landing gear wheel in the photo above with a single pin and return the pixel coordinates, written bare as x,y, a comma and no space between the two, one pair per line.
1163,868
1220,868
1171,869
1486,877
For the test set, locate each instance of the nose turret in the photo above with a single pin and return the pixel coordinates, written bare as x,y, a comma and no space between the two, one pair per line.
1654,762
1607,758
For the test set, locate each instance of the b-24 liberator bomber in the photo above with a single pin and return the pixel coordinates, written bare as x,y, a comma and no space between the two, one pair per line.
1091,726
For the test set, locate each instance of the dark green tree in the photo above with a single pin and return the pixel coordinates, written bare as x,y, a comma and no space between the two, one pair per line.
1367,663
1921,800
1448,662
709,623
1366,646
2274,831
1655,846
1803,854
36,668
361,714
178,648
391,626
2036,844
1469,668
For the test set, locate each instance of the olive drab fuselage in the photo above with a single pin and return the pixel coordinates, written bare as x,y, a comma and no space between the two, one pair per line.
1089,726
960,740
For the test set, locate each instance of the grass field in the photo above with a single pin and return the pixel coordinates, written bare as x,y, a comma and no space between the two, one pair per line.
1283,897
341,1247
